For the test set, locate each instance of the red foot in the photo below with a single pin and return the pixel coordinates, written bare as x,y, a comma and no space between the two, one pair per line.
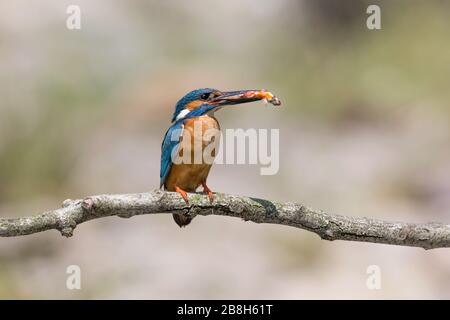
208,191
183,194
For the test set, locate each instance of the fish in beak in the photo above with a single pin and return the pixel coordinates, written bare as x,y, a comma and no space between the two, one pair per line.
244,96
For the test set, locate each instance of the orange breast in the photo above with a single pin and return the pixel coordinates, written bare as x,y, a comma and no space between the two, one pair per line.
198,134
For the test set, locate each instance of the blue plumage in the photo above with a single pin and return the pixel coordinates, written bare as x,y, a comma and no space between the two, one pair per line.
169,145
191,96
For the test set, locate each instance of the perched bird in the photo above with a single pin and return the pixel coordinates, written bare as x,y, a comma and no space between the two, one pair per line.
196,110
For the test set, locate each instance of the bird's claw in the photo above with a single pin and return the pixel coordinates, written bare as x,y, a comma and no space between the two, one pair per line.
210,196
208,192
183,194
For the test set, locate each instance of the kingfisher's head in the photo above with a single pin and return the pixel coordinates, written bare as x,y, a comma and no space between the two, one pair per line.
216,99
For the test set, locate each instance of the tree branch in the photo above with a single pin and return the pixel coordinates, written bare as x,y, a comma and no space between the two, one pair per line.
327,226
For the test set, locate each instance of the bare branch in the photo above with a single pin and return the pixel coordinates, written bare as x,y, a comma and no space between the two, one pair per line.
327,226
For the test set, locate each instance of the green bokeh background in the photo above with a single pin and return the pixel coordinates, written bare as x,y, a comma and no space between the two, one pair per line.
364,131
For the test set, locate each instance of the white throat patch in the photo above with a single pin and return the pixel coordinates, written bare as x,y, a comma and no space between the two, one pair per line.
182,114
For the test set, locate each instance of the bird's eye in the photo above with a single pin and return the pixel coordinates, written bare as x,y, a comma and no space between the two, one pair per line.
205,96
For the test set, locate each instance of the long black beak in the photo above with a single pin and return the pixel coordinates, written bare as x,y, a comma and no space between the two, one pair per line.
244,96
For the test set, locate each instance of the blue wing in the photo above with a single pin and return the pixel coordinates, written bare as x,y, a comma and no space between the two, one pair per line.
169,145
172,140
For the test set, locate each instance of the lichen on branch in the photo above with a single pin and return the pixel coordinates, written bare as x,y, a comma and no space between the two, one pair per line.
327,226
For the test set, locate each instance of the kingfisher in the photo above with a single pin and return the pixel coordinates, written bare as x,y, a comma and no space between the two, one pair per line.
192,119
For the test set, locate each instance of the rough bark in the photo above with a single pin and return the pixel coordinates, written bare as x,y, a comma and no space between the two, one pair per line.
327,226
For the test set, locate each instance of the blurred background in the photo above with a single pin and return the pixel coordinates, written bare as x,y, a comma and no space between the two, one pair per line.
364,131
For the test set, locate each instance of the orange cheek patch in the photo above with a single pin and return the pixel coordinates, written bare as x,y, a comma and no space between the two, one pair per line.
194,104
